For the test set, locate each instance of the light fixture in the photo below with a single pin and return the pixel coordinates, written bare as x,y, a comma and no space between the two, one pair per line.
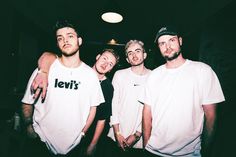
112,42
111,12
112,17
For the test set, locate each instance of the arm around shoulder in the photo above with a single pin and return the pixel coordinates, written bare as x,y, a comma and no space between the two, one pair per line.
46,60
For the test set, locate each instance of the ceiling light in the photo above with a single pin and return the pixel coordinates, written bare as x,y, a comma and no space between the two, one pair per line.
112,42
111,12
112,17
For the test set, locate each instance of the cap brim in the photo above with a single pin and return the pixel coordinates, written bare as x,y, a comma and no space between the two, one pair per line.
164,33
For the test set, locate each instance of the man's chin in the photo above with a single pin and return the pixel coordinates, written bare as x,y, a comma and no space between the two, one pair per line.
174,56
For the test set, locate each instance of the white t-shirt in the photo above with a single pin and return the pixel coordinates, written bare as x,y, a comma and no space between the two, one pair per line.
176,97
60,119
126,110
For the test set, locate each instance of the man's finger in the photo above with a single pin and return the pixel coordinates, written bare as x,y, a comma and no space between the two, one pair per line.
37,93
44,91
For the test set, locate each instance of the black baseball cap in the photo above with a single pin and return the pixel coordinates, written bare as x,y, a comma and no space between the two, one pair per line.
166,30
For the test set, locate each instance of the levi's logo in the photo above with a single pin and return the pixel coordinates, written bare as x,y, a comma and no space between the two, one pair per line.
67,85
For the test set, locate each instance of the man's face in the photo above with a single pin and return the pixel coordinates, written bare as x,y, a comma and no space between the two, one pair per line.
170,46
67,41
105,62
135,54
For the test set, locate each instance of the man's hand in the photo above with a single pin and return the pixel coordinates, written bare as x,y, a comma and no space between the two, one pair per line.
121,141
131,140
30,132
91,150
39,85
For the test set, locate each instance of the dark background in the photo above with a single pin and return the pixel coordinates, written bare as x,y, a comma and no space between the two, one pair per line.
209,31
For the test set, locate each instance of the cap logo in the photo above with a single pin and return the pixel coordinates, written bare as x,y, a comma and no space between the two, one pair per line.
162,29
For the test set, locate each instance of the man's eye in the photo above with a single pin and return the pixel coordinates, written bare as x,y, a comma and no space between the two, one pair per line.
161,44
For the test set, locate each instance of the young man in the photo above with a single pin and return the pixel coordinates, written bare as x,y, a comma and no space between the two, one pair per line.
99,128
126,110
73,93
105,61
177,97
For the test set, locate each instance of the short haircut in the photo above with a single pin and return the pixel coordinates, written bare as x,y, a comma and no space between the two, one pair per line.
139,42
113,52
64,23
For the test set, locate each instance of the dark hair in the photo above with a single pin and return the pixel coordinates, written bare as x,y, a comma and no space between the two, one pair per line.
64,23
113,52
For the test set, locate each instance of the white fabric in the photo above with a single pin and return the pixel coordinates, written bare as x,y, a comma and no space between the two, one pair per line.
176,97
60,119
126,110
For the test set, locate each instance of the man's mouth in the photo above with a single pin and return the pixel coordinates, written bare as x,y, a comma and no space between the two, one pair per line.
66,46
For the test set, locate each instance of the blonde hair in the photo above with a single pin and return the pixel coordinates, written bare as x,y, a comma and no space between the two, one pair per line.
113,52
134,42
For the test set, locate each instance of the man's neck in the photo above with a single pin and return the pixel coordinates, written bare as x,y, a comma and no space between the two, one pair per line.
139,70
101,77
175,63
71,61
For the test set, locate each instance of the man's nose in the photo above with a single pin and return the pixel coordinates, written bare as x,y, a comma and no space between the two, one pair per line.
134,54
65,40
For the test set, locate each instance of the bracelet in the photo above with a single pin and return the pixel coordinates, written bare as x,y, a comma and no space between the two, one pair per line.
118,133
82,134
41,71
137,136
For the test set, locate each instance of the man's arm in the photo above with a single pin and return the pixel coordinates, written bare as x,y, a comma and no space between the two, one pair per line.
147,124
134,138
90,119
121,141
27,114
40,82
209,127
98,131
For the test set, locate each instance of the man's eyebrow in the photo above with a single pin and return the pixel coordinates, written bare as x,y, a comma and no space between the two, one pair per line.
71,33
138,49
134,50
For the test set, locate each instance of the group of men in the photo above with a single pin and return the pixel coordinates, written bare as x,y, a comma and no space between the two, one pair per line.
139,113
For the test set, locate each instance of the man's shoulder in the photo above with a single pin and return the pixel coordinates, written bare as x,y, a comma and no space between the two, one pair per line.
199,65
158,69
107,83
87,69
122,71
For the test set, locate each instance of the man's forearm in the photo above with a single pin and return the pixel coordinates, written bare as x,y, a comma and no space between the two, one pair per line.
46,60
98,131
27,114
90,119
146,124
209,127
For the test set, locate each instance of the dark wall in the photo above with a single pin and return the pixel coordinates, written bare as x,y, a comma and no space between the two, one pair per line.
213,42
21,44
217,48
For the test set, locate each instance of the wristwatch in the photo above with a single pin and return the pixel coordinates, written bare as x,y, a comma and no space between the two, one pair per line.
137,136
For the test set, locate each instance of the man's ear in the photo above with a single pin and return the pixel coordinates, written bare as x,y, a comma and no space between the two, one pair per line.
180,41
80,41
127,59
99,55
144,55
